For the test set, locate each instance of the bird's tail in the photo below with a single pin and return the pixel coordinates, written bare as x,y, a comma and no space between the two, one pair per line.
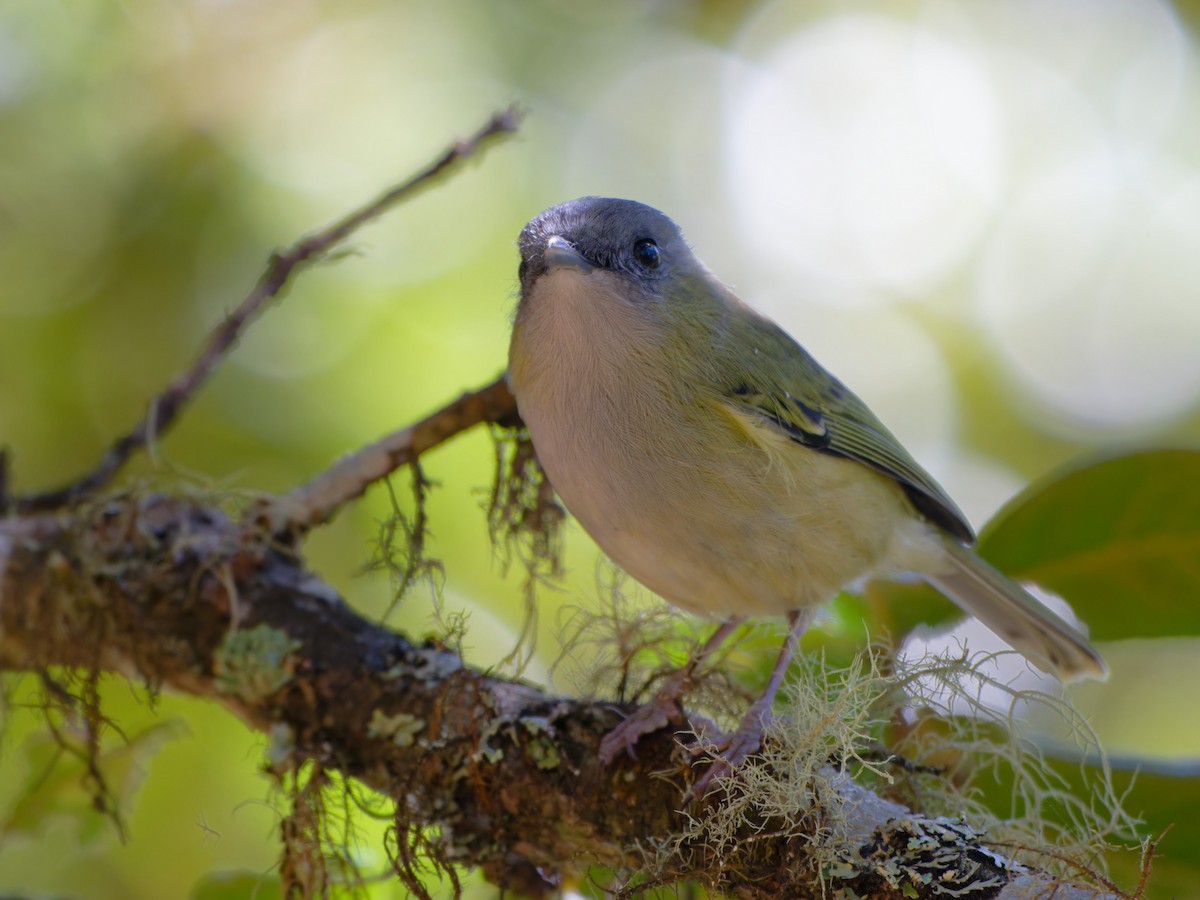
1016,616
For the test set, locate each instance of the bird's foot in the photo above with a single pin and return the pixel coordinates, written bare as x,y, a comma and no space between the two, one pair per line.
659,712
732,749
644,720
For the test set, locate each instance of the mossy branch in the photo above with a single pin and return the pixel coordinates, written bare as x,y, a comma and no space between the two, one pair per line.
174,593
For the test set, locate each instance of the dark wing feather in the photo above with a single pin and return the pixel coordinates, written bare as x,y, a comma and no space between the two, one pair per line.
816,410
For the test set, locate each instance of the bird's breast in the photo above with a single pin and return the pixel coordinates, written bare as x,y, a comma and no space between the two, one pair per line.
691,500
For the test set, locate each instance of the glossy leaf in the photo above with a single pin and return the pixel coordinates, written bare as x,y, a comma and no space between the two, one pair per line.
1118,539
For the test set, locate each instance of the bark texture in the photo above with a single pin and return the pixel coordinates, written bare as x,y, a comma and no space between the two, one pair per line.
174,593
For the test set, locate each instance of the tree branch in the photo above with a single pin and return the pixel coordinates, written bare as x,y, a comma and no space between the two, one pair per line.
174,593
316,500
165,408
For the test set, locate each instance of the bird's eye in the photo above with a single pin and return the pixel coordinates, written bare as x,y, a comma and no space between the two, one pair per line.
645,252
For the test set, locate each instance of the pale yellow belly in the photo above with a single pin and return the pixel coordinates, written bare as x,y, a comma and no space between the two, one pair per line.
703,516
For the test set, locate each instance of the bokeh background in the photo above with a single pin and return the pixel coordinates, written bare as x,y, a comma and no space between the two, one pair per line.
984,216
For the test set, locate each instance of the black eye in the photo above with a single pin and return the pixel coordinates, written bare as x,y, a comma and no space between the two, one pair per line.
645,251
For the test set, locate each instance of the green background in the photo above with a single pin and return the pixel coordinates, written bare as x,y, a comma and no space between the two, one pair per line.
984,217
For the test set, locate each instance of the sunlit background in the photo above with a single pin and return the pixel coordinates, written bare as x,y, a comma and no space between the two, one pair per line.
984,216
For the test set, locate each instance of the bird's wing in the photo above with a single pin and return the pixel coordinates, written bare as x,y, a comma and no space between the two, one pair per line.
817,411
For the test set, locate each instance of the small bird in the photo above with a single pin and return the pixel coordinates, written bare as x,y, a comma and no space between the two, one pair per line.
716,462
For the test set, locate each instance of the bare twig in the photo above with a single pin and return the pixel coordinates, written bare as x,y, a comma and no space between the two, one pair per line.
316,500
1147,863
165,408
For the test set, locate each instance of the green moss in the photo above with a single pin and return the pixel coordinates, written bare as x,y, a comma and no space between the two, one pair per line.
402,728
540,748
253,663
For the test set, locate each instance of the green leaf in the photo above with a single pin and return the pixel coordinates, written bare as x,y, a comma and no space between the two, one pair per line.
1163,800
1118,539
1136,714
895,608
1141,716
1166,803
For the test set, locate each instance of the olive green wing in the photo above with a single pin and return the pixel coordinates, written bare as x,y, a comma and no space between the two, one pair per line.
816,410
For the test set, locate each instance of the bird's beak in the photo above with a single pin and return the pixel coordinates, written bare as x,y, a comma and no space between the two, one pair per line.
560,252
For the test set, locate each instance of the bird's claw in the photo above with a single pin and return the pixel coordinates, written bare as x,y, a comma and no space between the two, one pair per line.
730,750
645,720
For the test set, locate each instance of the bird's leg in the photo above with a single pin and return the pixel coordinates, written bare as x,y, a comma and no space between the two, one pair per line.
735,747
658,712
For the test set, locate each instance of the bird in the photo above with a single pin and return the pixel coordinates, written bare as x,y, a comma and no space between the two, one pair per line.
715,461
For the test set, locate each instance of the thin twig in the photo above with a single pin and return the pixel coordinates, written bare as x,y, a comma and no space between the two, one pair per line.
1148,849
316,500
165,408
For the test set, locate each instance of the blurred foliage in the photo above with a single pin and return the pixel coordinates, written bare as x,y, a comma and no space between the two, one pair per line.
58,765
238,886
153,154
1122,535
